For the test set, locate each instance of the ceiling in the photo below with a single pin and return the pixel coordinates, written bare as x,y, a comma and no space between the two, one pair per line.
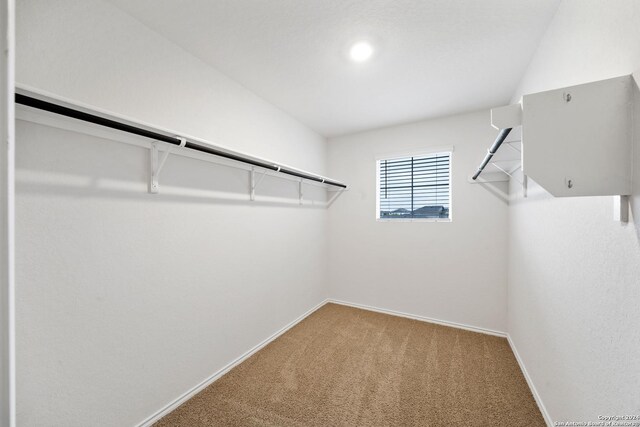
432,57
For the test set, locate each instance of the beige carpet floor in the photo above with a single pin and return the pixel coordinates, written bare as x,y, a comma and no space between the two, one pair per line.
343,366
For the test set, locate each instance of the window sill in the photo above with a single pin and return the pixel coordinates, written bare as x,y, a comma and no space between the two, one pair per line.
414,220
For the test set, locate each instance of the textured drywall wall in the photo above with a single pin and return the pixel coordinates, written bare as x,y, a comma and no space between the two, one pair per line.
125,299
7,153
455,271
574,273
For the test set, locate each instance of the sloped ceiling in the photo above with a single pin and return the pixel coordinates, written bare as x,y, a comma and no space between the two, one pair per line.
432,57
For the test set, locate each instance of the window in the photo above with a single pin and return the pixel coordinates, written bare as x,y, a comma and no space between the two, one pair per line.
415,188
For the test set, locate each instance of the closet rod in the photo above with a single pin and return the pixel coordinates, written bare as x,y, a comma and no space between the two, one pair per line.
499,140
113,124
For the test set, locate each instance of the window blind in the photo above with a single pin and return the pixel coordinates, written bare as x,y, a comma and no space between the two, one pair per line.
415,187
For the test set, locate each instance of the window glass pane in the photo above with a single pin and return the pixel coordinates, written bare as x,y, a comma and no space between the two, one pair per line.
415,187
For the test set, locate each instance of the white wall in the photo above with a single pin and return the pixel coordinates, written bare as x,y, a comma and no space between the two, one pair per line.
7,158
454,272
126,300
574,273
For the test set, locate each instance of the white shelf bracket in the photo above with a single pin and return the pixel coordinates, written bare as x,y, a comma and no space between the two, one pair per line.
335,195
508,172
514,149
254,183
621,208
300,191
156,166
505,171
511,173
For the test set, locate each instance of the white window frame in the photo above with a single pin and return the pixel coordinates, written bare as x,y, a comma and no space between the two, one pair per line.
414,153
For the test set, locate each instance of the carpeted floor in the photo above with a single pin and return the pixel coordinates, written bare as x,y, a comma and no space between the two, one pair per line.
343,366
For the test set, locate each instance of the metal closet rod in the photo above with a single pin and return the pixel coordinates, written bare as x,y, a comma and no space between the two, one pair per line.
113,124
499,140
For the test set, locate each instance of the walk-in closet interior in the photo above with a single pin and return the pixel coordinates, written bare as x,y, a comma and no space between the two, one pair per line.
319,213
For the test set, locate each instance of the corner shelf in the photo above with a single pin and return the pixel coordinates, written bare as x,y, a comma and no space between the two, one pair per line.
575,141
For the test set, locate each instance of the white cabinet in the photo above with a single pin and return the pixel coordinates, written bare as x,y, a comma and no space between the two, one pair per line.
577,141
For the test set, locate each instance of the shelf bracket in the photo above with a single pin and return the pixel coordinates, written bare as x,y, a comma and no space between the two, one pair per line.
508,144
621,208
335,195
254,183
509,173
300,191
157,163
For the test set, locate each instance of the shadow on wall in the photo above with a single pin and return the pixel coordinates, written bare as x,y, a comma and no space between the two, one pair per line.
499,189
75,165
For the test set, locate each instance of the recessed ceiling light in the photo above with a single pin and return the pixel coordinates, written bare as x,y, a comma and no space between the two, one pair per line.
361,51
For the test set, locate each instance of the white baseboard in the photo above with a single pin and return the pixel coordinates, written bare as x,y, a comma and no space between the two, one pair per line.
211,379
422,318
532,387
